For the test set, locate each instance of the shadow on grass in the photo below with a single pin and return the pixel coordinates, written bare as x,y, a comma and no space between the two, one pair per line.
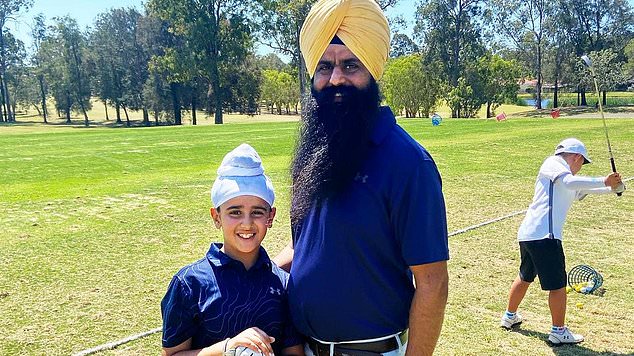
565,350
26,121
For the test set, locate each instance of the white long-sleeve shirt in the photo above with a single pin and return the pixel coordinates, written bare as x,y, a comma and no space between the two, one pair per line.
556,188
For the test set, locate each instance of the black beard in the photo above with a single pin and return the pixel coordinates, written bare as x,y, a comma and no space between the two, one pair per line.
333,143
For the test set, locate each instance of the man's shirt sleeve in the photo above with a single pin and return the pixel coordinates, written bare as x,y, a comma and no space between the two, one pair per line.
420,217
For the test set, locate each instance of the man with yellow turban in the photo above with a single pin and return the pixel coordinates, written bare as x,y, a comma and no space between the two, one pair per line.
367,209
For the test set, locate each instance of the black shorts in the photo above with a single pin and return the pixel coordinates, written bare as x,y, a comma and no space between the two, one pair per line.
544,258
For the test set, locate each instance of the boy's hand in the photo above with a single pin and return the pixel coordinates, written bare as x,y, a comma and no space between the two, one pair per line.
613,180
254,339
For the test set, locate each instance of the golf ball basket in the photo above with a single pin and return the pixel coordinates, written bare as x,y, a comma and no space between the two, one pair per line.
584,279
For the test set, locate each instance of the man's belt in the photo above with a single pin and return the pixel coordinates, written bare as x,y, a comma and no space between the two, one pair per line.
359,348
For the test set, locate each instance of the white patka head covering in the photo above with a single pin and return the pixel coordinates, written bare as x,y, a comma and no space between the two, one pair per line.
241,173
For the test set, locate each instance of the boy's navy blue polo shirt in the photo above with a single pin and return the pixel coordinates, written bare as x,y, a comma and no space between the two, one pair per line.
216,297
350,277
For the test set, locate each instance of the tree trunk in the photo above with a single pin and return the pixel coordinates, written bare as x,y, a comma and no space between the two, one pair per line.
584,102
105,106
178,120
117,109
193,109
43,96
3,108
489,113
604,101
556,91
538,87
68,105
156,117
217,92
127,118
9,113
146,117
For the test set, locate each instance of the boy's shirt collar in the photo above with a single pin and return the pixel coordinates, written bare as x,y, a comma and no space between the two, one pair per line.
220,259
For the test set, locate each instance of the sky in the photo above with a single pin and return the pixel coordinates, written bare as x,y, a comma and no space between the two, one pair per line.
86,11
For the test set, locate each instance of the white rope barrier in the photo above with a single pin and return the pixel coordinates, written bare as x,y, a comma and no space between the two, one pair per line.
473,227
112,345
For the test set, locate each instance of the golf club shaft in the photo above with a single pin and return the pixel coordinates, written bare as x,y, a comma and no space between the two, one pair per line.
605,126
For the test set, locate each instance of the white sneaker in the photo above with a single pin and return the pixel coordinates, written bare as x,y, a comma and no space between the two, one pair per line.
567,337
509,323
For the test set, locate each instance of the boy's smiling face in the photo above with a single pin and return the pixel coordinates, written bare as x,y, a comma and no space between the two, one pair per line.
244,221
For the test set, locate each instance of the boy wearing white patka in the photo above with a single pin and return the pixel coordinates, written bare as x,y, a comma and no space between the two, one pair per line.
540,233
233,302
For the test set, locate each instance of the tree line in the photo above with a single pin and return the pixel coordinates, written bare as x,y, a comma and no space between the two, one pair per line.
191,55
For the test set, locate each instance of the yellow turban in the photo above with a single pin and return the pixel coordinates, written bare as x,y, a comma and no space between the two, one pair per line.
361,26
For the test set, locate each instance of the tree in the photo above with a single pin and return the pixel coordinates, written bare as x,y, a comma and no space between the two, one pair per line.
279,90
66,67
215,32
39,34
155,39
402,45
525,24
409,84
120,62
499,80
609,72
14,66
8,9
280,25
451,36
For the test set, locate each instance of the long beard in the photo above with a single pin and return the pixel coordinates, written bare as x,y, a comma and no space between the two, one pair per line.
333,143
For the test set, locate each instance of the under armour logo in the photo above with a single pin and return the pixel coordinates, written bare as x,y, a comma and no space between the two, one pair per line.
275,291
361,178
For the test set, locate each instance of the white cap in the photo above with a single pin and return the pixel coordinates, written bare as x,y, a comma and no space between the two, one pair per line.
241,173
572,145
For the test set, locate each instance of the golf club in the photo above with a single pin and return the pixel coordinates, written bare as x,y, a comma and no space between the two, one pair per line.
588,62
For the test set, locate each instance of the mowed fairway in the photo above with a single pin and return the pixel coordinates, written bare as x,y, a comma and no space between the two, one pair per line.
94,222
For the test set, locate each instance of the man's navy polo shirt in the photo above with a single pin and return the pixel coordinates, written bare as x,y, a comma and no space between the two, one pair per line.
350,276
216,297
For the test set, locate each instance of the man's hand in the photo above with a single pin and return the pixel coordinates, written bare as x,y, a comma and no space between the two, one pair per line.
613,180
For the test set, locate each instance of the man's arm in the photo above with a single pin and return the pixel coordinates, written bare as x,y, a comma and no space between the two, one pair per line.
428,307
285,258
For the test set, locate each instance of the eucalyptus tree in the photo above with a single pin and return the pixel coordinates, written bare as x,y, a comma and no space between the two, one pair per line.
450,33
608,70
120,62
67,68
14,65
160,92
8,10
39,33
526,26
601,24
217,33
15,73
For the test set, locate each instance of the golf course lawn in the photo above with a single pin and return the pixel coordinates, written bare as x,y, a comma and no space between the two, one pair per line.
95,221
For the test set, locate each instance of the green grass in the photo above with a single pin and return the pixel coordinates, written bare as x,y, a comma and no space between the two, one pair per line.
94,222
